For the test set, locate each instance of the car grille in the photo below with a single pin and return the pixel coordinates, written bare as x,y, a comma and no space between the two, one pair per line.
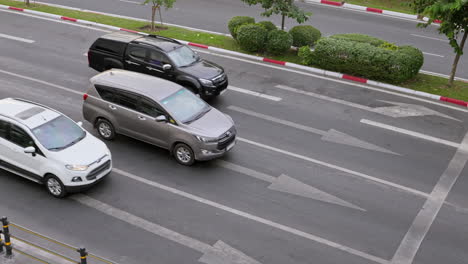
227,138
92,175
219,80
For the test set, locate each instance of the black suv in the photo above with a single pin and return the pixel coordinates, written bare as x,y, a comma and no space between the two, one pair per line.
159,56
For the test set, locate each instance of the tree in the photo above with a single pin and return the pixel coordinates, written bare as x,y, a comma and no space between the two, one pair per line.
286,8
155,6
453,15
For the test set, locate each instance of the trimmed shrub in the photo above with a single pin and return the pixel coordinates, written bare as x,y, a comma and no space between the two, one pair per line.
360,38
269,26
278,42
306,55
304,35
366,60
237,21
252,37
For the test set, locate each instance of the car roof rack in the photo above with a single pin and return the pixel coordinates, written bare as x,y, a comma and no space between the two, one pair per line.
164,38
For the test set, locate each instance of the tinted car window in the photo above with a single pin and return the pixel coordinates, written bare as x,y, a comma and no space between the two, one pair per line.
4,129
157,58
126,99
150,108
20,137
109,46
138,52
106,93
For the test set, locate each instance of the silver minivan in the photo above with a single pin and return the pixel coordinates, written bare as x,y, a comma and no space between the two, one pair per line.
158,112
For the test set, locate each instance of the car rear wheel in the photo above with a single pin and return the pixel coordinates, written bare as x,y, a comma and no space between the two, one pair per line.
105,129
55,186
184,154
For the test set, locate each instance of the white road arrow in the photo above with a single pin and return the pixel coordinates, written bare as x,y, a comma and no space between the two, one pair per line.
330,135
399,110
219,253
407,110
289,185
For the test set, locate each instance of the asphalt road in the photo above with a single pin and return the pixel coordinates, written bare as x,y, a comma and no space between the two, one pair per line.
161,212
213,15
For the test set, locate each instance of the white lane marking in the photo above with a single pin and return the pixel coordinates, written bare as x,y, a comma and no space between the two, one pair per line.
423,221
334,80
421,36
249,92
335,167
85,54
253,217
432,54
41,82
16,38
410,133
131,2
55,20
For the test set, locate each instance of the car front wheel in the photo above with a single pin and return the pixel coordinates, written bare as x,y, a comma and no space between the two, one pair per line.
184,154
55,186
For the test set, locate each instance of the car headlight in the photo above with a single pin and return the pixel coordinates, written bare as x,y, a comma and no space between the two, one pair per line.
206,139
206,82
77,167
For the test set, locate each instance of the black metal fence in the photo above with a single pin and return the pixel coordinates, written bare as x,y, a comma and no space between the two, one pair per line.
8,249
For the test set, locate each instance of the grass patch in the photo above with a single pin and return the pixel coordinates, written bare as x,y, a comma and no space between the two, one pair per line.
422,82
438,85
392,5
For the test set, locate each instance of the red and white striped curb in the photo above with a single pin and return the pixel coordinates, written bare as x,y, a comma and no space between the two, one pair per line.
369,9
257,58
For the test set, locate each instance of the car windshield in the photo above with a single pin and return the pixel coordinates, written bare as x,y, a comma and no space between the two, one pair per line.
185,106
183,56
59,133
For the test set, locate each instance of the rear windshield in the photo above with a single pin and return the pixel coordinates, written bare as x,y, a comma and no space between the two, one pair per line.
109,46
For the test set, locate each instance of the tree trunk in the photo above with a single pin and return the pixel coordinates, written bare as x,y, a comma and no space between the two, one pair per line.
282,21
153,15
27,3
457,58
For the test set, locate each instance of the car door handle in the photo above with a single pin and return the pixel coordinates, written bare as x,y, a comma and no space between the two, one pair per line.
141,117
153,69
131,62
112,107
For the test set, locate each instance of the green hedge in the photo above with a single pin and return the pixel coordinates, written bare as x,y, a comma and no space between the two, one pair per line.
360,38
365,60
269,26
238,21
279,42
252,37
304,35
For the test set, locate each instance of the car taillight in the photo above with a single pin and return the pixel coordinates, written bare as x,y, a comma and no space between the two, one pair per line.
85,96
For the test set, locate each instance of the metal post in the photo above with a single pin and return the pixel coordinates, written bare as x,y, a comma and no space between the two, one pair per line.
6,233
83,255
1,242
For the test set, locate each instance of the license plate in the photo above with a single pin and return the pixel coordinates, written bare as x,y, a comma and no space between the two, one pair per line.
230,146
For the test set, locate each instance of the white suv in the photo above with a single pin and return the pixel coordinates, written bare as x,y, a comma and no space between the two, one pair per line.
45,146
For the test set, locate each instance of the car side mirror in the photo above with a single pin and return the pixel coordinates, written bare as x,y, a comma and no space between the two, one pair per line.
161,118
79,123
30,150
167,67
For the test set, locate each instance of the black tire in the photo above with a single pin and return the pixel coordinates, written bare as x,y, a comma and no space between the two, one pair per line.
191,88
105,129
55,186
183,154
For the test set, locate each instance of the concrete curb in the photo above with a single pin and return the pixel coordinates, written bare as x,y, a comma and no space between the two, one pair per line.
370,9
257,58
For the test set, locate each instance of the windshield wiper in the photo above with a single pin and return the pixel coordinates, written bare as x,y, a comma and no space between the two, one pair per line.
197,116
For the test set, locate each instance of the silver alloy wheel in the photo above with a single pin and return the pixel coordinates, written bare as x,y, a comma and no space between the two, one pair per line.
183,154
54,186
105,130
